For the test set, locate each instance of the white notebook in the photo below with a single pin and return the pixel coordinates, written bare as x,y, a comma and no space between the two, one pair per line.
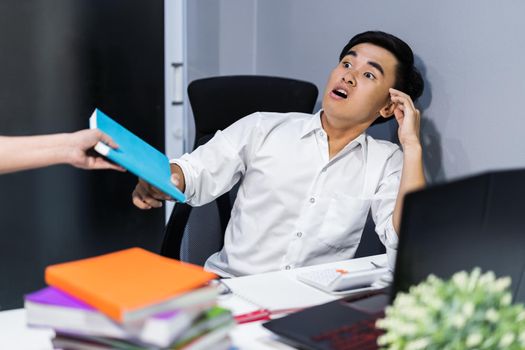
277,291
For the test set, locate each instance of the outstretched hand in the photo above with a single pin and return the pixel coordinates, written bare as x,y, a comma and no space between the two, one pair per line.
408,117
146,196
80,153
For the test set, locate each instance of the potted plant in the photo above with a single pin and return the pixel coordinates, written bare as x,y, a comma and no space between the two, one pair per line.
469,311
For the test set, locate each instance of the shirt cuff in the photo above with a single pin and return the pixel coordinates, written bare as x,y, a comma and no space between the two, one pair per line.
189,189
391,255
392,241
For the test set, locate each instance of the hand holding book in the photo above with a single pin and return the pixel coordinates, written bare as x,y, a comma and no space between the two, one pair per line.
135,155
146,196
78,147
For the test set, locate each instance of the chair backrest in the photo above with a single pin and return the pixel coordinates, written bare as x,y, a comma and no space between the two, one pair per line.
193,234
370,244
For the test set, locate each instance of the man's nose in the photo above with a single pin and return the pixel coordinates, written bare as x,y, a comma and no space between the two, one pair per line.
349,79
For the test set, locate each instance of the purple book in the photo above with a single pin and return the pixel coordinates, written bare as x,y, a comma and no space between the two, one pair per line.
56,297
53,308
53,296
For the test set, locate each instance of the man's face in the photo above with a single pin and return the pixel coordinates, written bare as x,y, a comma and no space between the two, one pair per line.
357,89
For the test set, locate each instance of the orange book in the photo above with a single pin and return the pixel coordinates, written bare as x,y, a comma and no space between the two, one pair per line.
131,284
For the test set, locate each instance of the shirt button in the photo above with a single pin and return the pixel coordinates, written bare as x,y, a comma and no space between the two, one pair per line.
312,200
287,267
299,234
321,133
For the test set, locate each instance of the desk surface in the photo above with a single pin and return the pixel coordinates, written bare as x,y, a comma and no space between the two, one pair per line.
14,334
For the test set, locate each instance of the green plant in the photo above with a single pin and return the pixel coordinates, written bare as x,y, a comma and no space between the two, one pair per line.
469,311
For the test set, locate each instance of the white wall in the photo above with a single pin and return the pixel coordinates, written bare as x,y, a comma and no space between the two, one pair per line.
202,49
469,51
238,37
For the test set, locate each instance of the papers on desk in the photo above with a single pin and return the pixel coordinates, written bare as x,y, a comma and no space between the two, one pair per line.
276,291
281,291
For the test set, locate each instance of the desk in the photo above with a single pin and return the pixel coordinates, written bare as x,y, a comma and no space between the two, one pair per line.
14,334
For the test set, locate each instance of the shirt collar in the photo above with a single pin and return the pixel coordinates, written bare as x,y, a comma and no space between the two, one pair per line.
314,124
359,140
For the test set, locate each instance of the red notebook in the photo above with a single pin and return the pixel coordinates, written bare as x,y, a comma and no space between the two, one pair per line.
132,284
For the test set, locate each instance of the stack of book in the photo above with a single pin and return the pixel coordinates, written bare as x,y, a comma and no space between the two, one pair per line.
130,299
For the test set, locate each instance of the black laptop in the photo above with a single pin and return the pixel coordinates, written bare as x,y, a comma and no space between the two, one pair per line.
475,221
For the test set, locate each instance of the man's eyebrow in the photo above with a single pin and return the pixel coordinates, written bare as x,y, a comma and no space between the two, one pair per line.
372,63
377,66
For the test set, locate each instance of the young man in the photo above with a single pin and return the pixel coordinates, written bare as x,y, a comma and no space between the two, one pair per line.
308,182
28,152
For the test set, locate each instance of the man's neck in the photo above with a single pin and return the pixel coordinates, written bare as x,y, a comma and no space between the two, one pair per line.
340,134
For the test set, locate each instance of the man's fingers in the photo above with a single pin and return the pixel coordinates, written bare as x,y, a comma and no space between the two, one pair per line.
152,191
159,195
143,201
396,92
401,97
400,107
146,196
152,202
139,203
136,198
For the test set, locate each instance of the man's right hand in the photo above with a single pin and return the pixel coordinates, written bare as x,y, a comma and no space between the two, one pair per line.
146,196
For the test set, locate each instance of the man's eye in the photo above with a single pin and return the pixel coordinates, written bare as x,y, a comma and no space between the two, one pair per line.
347,64
369,75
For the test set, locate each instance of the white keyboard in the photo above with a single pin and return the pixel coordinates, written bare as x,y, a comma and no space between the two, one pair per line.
336,280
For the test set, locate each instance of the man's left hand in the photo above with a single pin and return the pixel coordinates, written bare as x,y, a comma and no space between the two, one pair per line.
408,117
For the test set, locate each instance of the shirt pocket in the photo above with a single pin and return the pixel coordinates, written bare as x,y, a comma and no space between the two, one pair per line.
344,221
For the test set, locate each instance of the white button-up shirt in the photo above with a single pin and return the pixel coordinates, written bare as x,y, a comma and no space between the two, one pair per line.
295,206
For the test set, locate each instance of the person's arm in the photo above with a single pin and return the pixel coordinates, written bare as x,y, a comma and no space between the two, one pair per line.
28,152
210,170
412,174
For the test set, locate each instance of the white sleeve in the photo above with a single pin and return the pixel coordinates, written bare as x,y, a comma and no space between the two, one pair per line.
215,167
384,204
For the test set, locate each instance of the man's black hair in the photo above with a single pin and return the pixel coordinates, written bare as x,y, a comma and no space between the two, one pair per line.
408,78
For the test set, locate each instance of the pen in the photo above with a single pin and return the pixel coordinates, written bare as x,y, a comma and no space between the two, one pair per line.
259,315
262,315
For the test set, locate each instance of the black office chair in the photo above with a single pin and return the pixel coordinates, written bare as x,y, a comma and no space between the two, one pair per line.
193,234
370,243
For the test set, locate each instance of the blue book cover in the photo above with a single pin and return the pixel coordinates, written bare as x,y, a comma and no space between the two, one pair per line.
135,155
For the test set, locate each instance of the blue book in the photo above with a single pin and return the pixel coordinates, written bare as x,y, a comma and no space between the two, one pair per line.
135,155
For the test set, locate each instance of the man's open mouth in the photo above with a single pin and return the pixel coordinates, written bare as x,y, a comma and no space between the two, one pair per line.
340,92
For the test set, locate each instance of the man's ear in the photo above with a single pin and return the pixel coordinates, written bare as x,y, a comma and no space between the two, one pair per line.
387,110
